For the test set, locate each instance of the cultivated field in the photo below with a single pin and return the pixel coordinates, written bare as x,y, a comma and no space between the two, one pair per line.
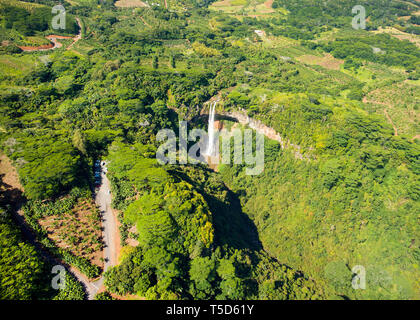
16,65
78,231
327,61
244,7
130,3
400,35
401,103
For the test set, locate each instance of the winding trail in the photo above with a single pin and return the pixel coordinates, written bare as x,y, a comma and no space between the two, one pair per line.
79,36
391,122
55,44
365,100
144,21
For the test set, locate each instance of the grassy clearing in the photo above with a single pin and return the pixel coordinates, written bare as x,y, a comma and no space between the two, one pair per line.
327,61
363,74
244,7
34,41
22,4
388,90
376,75
401,101
83,47
82,2
400,35
286,47
17,65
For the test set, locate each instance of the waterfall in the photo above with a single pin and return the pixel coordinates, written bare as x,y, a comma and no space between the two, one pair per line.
210,145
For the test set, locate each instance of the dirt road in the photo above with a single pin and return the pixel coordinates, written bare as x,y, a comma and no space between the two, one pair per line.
110,232
79,36
110,237
14,193
55,44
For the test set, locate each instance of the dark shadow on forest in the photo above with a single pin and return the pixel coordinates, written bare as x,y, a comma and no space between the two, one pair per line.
203,118
12,199
232,227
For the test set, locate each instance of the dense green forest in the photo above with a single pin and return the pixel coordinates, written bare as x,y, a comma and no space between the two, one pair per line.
20,264
180,253
344,190
22,24
25,275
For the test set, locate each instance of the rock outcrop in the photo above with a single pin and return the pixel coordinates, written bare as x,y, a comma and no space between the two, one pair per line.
241,117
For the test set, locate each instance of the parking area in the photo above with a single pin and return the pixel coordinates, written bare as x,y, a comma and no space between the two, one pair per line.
99,168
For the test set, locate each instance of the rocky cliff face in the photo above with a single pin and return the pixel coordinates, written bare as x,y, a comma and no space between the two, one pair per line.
242,117
257,125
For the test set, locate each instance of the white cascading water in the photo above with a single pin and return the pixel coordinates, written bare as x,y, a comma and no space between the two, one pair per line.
210,145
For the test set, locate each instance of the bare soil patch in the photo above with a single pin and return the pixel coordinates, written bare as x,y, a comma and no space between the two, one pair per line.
8,173
130,3
54,43
78,231
131,240
224,3
10,188
127,297
269,4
